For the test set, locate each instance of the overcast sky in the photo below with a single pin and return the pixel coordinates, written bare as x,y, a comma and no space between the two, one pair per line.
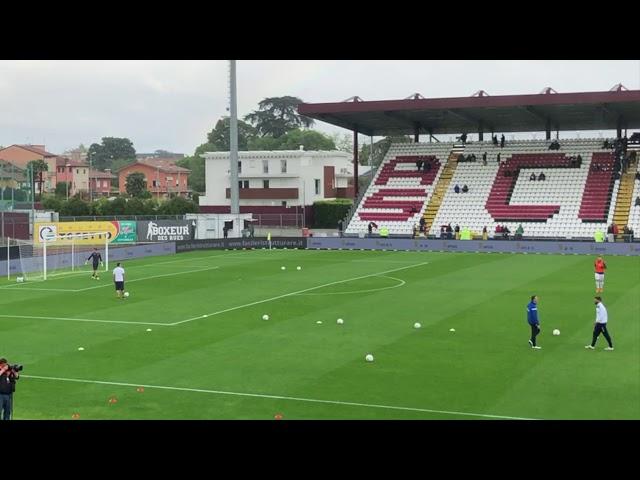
171,105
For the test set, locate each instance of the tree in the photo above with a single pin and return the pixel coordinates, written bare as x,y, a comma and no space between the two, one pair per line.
39,166
61,189
136,184
177,206
111,149
277,115
380,149
52,203
309,139
75,207
344,142
195,163
137,206
219,137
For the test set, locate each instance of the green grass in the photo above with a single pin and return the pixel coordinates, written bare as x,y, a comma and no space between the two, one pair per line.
232,364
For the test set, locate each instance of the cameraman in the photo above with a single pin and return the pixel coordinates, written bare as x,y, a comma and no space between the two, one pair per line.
8,377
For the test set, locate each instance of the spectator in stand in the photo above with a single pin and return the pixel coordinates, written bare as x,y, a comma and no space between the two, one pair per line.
449,232
427,166
456,188
579,160
615,229
498,158
462,138
519,232
484,159
465,189
485,235
506,232
443,231
610,229
422,222
494,139
532,176
637,201
415,231
498,229
457,231
340,225
542,177
555,145
473,157
370,227
419,164
502,141
606,144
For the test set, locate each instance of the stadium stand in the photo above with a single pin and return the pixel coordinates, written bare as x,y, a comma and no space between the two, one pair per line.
574,200
396,197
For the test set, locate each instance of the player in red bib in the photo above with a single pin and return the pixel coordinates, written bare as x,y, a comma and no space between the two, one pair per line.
600,267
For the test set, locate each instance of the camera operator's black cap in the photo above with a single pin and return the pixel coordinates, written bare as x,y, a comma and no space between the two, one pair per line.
3,360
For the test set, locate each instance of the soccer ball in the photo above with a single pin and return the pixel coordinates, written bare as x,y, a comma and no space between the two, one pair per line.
340,321
265,317
299,268
126,294
283,268
416,325
369,358
556,332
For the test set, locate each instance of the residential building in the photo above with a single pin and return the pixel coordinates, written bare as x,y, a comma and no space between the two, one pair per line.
21,155
277,181
74,173
163,176
101,182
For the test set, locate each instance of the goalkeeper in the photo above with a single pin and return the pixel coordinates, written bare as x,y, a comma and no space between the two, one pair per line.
97,260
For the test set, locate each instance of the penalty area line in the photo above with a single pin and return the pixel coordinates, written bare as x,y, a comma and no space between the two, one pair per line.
281,397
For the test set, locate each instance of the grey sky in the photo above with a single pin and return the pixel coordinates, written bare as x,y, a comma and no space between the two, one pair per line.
171,105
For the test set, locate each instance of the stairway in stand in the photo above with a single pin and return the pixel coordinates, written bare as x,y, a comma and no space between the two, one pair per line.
625,197
440,190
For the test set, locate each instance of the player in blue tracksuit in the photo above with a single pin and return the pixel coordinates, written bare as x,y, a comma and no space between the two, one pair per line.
532,318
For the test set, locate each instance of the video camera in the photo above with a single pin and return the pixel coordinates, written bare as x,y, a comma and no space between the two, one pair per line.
16,367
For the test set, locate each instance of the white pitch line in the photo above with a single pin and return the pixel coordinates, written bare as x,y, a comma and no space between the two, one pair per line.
29,317
296,293
280,397
401,284
146,278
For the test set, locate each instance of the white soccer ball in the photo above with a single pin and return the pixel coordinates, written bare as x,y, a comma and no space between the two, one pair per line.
369,358
126,294
265,317
417,325
556,332
452,329
340,321
299,268
283,268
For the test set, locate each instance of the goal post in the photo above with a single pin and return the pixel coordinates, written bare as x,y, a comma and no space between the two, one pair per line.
58,255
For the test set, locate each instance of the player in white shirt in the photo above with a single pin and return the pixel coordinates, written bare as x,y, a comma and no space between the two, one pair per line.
118,279
600,326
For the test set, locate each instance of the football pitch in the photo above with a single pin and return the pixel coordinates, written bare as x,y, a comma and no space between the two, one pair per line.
190,342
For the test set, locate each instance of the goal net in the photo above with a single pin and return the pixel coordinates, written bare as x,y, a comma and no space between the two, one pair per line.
57,255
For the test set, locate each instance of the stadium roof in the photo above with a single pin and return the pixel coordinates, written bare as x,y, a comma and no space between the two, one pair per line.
619,109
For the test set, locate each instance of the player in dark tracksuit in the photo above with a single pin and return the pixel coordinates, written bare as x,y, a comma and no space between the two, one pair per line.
97,260
532,318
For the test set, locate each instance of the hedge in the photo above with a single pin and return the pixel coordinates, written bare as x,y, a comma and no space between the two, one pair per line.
326,214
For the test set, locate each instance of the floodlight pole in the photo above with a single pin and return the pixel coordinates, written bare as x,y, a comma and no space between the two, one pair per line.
233,140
